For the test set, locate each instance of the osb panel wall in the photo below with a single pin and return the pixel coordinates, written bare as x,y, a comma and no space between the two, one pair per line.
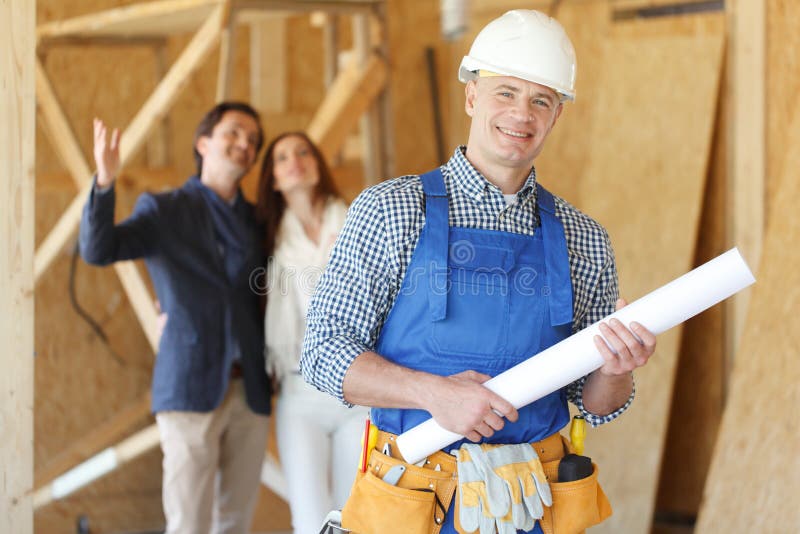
79,382
755,472
644,181
698,396
783,79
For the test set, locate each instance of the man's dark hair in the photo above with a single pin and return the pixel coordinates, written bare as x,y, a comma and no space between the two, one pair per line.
212,118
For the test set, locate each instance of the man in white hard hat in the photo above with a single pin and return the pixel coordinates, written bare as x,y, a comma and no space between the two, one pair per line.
440,281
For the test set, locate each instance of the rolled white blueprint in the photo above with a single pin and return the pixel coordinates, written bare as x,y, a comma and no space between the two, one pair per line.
576,356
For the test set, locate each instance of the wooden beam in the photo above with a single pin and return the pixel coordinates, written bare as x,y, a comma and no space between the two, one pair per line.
369,124
305,6
268,65
17,161
161,18
101,437
62,232
351,94
140,299
59,132
158,154
746,86
227,53
330,42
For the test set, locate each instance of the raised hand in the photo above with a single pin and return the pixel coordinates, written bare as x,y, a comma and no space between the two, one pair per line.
106,153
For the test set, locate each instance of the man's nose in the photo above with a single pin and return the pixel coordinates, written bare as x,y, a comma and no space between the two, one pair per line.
244,142
523,112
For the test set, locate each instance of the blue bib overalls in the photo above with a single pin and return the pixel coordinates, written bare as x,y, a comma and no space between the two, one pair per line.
480,300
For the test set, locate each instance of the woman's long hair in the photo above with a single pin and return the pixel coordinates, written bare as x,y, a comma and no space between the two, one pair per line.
271,205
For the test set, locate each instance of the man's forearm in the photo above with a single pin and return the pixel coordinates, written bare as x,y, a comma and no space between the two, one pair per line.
372,380
604,394
460,403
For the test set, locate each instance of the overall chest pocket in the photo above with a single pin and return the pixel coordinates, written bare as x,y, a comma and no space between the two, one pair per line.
477,292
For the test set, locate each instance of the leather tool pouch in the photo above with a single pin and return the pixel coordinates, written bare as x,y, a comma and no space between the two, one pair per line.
577,505
416,505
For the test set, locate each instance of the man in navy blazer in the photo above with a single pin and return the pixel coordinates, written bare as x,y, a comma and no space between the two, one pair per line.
201,245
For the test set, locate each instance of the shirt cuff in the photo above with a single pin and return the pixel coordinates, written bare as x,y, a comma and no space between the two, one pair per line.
593,419
102,190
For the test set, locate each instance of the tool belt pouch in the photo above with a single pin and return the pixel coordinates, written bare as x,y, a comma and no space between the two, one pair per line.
416,505
577,505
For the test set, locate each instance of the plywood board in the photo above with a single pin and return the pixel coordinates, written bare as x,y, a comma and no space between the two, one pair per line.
644,181
755,472
783,79
696,412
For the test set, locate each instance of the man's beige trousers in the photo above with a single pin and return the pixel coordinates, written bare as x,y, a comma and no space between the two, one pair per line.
212,466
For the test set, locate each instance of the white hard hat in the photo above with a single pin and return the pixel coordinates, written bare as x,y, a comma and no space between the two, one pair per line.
526,44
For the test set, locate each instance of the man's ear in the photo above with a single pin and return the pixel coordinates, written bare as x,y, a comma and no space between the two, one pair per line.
559,109
471,93
202,145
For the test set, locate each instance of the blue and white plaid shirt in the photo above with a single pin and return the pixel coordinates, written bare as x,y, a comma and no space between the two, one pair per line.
366,268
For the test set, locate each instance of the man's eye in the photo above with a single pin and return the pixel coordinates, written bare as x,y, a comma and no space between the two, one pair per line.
543,103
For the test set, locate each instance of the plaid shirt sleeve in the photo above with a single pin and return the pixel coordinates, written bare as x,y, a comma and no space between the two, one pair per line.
351,299
602,303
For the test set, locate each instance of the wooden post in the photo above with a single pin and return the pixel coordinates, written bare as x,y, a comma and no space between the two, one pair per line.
369,123
227,53
268,65
158,154
17,142
330,40
746,87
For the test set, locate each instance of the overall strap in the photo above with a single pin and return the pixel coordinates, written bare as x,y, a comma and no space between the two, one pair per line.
437,228
556,259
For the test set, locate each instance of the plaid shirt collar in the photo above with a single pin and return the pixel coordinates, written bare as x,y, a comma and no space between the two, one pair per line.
476,187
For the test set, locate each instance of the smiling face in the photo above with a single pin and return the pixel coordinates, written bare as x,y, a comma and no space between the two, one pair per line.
295,166
230,151
511,119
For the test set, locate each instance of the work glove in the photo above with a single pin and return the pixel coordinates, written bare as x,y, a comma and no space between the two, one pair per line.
521,471
475,513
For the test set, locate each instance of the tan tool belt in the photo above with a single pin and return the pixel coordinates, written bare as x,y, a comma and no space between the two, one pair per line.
418,502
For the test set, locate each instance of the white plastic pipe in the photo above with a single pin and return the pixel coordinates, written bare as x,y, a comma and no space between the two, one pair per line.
576,356
97,466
